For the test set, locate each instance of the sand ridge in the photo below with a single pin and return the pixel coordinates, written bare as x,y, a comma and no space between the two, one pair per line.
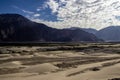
40,68
88,61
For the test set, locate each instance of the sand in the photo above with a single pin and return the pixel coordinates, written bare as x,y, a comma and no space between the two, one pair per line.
34,64
41,68
14,64
103,74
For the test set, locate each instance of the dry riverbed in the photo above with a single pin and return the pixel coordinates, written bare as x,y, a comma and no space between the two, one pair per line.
88,61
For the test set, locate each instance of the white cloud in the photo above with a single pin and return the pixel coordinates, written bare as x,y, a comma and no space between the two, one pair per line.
25,11
85,13
44,6
53,4
38,9
36,15
29,14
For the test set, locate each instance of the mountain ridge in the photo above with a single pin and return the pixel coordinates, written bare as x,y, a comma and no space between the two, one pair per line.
15,27
111,33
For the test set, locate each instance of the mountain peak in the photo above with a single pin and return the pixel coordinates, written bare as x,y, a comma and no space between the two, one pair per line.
12,17
15,27
111,33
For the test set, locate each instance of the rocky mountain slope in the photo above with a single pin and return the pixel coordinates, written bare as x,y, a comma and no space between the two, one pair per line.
15,27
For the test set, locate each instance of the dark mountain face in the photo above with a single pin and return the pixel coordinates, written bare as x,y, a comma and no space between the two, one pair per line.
111,33
14,27
89,30
80,35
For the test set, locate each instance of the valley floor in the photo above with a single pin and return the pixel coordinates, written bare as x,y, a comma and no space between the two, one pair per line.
82,61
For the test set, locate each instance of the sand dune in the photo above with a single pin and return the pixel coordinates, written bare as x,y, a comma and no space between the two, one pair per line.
103,74
40,68
14,64
95,62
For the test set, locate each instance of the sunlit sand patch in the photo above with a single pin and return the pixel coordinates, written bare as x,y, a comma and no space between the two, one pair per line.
14,64
41,68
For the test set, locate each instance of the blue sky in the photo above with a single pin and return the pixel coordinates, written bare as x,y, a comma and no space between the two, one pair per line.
27,8
95,14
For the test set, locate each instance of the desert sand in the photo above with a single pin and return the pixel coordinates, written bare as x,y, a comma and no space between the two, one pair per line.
91,62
